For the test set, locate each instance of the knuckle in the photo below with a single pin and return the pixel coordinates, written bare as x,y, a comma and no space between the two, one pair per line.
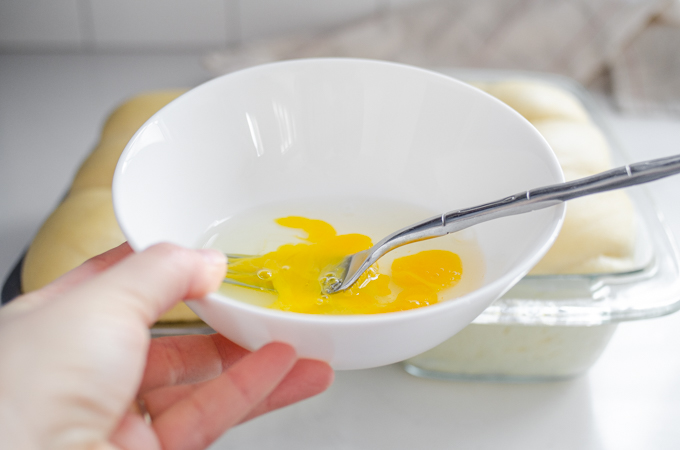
173,256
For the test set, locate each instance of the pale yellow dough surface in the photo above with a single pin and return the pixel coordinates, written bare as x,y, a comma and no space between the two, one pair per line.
579,146
80,228
84,224
598,234
537,100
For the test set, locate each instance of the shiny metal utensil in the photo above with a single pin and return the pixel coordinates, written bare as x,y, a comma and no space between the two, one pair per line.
351,268
233,277
345,274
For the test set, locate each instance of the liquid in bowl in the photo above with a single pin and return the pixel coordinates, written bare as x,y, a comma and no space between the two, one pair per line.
255,232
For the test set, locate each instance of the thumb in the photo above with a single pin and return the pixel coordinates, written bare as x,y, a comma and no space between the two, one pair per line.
145,285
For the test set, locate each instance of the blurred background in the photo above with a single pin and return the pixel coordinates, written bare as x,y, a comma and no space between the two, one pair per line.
65,65
630,45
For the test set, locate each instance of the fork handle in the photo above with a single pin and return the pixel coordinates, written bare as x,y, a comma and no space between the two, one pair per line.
539,198
543,197
534,199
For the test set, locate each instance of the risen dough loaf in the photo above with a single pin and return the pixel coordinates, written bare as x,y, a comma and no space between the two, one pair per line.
597,237
599,231
537,100
81,227
579,146
84,225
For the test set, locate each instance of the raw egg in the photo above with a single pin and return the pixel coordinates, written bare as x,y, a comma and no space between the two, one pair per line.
295,273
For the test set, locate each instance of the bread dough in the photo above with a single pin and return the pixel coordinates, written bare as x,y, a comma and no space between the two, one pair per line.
598,234
97,170
599,231
579,146
537,100
84,224
124,122
81,227
179,313
597,237
517,351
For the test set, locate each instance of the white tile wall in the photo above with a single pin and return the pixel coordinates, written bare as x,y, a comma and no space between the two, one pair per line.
168,24
49,24
264,18
405,3
154,23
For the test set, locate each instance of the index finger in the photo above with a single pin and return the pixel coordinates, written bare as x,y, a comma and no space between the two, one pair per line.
85,271
145,285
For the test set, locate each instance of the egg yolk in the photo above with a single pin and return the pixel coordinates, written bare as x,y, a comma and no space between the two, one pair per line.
294,272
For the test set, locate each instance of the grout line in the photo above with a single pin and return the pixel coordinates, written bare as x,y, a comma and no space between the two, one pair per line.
86,25
235,22
382,6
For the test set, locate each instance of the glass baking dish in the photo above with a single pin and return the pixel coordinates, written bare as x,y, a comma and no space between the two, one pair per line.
547,326
551,327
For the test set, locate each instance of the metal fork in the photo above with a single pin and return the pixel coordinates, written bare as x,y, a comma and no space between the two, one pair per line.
345,274
233,276
353,266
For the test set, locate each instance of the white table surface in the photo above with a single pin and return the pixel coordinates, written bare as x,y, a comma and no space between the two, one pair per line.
51,111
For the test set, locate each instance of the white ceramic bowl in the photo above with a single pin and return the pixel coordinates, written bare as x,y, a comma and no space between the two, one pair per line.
329,127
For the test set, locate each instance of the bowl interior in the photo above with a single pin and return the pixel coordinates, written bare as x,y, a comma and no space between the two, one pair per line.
331,128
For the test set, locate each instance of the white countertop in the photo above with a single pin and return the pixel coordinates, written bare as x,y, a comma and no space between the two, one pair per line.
51,111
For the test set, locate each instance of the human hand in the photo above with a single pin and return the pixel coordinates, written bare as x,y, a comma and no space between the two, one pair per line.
76,354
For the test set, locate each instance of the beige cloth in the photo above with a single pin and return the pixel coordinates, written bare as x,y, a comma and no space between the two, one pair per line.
646,76
579,38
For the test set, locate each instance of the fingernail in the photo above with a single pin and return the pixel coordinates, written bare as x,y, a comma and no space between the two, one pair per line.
213,257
